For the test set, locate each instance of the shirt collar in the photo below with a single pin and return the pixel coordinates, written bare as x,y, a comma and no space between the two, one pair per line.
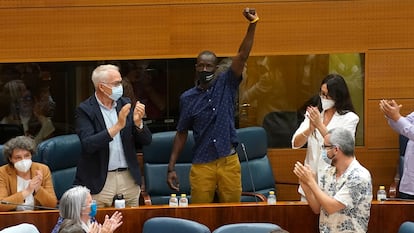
103,106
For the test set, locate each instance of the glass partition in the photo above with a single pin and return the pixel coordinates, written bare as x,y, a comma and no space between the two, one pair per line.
42,97
277,89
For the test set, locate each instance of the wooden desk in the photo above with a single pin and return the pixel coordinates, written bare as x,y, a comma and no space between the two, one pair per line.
295,217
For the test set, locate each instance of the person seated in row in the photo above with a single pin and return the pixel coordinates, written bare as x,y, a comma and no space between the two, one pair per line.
77,212
24,184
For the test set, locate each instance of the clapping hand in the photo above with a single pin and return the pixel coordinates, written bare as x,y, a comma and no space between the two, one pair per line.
139,113
36,181
391,109
111,224
304,173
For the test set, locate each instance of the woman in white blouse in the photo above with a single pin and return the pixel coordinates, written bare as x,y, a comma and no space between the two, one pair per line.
337,111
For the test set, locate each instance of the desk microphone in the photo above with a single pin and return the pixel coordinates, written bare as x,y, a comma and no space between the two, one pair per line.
248,169
34,206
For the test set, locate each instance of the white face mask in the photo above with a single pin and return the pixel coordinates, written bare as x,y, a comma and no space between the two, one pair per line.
327,104
23,165
117,92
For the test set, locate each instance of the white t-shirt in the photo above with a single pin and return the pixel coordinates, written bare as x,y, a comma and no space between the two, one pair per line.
29,201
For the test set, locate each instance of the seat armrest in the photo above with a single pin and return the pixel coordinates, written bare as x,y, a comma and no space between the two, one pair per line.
260,196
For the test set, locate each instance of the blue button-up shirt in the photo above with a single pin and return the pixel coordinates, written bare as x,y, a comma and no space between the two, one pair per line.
116,149
210,114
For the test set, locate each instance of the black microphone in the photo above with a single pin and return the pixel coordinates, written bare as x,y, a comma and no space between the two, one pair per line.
248,169
34,206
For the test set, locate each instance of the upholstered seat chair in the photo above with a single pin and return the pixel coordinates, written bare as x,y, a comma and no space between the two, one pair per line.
406,227
257,175
173,225
247,228
61,154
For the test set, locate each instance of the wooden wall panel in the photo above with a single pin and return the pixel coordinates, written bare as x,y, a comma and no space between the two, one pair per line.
294,217
378,134
56,34
82,3
89,30
45,30
382,165
390,74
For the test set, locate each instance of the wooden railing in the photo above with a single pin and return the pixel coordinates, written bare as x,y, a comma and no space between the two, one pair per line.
295,217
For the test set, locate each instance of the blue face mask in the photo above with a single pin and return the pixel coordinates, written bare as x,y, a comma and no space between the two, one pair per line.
117,92
94,209
325,157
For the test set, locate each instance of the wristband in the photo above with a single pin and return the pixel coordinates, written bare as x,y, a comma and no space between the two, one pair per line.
255,20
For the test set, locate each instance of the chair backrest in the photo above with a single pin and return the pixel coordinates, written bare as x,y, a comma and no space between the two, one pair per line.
255,168
156,157
9,131
406,227
247,228
256,171
173,225
61,154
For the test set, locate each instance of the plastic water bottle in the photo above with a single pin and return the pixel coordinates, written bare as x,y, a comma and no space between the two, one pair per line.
271,199
381,194
173,200
183,200
119,201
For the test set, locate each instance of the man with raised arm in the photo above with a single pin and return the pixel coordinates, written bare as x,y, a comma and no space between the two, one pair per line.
208,110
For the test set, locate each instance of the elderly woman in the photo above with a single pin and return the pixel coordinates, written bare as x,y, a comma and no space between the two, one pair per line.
77,214
24,184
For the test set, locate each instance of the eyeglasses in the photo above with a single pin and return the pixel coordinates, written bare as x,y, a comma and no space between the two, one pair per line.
327,147
114,84
324,95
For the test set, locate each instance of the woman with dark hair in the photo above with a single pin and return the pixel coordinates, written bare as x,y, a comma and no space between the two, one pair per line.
337,111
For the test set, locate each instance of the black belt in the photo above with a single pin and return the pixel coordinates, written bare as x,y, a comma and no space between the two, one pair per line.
121,169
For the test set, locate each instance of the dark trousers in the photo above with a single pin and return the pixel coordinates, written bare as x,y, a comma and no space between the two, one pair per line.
405,196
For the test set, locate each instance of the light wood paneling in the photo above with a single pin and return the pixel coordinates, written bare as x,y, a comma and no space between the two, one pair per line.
82,3
381,163
89,30
93,30
378,134
295,217
390,74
